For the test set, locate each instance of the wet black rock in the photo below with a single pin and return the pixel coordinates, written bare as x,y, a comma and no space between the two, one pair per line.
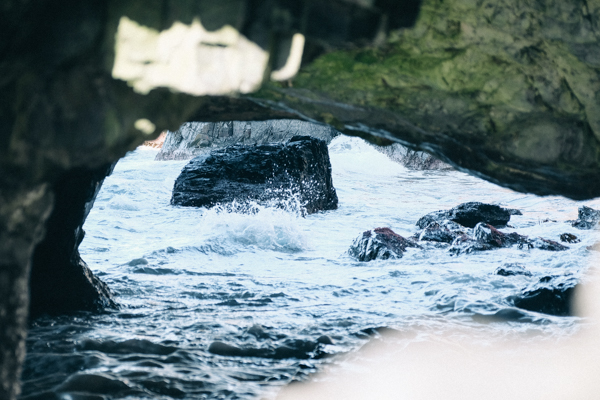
380,243
551,295
486,237
470,214
271,173
587,218
569,238
512,269
487,234
443,232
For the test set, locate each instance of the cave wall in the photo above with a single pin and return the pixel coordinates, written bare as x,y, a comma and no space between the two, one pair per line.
505,90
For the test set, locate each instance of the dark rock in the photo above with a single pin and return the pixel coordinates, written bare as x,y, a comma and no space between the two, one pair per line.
587,218
512,269
569,238
299,349
546,244
470,214
195,138
266,173
487,234
486,237
381,243
466,244
551,295
444,232
61,281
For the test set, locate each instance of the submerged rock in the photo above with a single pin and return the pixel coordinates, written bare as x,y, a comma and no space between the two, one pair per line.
547,244
195,138
551,295
512,269
272,173
470,214
569,238
299,349
587,218
381,244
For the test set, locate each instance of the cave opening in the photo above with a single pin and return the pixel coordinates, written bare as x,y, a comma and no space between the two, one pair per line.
219,302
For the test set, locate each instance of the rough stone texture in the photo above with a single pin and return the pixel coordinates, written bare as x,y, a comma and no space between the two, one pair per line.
445,231
379,244
194,138
486,237
470,214
551,295
587,218
417,160
61,281
22,216
519,107
487,234
270,173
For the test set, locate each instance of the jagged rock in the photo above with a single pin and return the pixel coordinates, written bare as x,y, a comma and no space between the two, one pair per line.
379,244
551,295
470,214
512,269
587,218
195,138
61,281
266,173
486,237
487,234
444,232
411,159
569,238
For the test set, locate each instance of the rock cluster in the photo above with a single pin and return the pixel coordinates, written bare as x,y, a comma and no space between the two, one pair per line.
271,173
467,227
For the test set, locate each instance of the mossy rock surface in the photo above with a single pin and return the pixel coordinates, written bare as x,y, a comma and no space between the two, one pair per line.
508,90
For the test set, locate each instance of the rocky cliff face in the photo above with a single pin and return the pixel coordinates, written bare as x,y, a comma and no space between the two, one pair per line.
194,138
505,90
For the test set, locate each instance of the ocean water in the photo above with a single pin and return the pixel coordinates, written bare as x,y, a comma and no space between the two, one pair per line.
219,304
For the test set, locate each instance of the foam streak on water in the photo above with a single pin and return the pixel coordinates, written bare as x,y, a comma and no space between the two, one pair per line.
272,293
